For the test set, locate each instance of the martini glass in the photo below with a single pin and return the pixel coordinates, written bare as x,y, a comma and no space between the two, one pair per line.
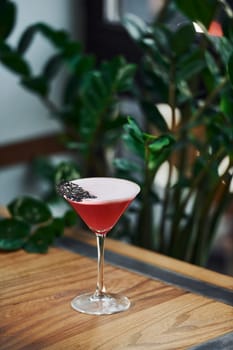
99,201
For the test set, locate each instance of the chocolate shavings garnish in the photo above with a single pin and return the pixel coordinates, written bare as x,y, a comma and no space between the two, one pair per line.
73,191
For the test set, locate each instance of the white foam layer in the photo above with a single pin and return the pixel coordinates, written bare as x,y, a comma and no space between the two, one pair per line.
108,189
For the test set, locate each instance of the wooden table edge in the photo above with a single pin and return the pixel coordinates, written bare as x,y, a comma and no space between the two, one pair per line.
156,259
150,257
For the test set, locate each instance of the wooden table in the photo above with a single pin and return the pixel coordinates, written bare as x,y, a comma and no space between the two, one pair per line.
174,305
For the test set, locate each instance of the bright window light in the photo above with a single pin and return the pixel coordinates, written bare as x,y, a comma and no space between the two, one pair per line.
166,112
112,10
161,177
197,28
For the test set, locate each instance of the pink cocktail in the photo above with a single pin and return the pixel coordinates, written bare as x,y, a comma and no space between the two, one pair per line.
100,202
112,197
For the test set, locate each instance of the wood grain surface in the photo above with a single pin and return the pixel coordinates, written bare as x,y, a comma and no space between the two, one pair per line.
156,259
36,291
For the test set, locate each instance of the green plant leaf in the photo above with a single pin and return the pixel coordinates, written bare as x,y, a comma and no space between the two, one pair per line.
57,226
189,65
160,142
66,171
99,84
134,145
116,123
226,104
13,233
223,48
135,26
26,39
13,61
44,236
52,66
212,64
59,38
202,11
40,240
152,81
7,18
159,150
163,40
156,159
126,165
70,218
81,64
44,168
125,76
30,209
134,138
183,39
230,68
70,91
71,50
154,116
134,130
156,62
38,85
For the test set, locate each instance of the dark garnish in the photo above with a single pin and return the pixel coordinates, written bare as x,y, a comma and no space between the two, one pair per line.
73,191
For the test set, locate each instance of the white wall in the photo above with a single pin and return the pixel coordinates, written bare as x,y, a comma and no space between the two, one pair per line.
22,115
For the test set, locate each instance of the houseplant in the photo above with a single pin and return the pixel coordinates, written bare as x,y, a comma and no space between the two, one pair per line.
191,74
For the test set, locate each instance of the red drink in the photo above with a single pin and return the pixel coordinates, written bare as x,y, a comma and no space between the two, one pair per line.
100,217
113,196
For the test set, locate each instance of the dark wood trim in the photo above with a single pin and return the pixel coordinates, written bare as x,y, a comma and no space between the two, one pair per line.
25,151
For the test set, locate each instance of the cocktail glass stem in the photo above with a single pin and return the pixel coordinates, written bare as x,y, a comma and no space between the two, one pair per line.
101,302
100,288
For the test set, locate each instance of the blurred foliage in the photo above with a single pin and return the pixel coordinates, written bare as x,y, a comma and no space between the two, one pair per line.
89,102
190,73
32,225
52,174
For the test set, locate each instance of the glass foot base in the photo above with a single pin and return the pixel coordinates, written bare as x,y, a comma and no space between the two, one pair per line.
100,305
